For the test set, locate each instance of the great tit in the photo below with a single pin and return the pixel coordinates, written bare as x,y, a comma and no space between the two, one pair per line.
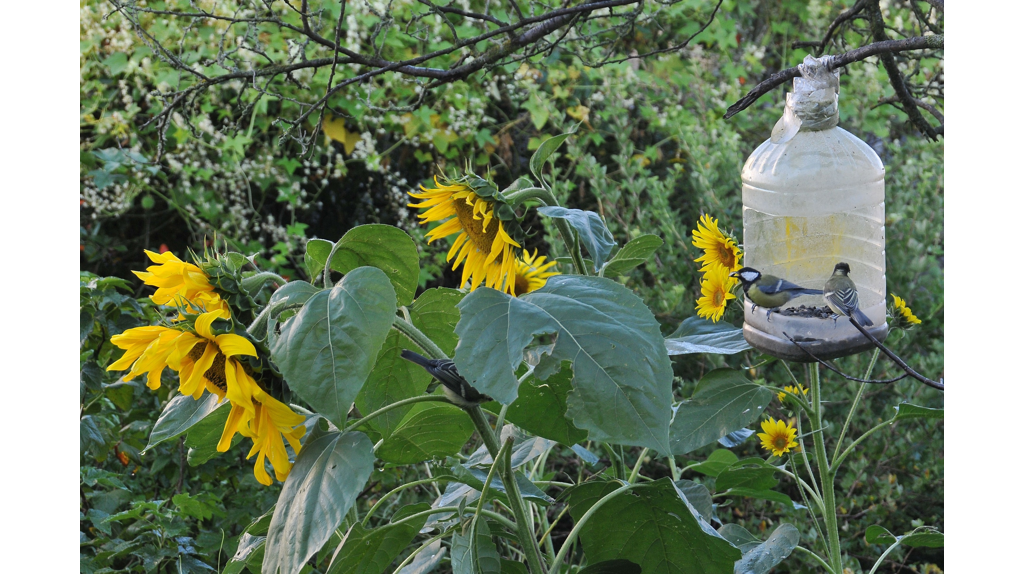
841,295
769,291
454,386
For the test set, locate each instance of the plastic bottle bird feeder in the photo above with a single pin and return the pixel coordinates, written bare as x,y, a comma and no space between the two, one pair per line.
814,196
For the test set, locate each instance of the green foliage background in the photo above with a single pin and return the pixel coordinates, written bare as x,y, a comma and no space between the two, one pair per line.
651,154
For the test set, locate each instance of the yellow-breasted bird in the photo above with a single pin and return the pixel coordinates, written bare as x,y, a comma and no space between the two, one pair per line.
769,291
841,295
455,387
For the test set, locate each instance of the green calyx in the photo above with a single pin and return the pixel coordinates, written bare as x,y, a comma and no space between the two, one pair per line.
503,210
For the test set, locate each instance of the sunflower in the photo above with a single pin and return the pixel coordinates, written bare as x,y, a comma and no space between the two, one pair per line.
797,390
181,284
206,361
778,437
715,292
531,273
272,423
905,318
484,246
719,250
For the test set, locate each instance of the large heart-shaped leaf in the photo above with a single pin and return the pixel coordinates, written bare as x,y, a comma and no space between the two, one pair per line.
392,379
436,313
723,402
328,474
478,556
696,335
429,430
622,377
366,551
327,350
591,230
653,526
541,406
632,254
760,557
385,247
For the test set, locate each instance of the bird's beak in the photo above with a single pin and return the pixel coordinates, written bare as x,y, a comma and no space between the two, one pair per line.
734,274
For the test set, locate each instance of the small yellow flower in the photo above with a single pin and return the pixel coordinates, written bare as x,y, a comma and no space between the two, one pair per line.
719,250
901,312
793,390
483,246
531,273
715,291
181,284
778,437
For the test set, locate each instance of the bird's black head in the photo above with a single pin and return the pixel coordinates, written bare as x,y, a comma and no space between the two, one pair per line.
842,269
747,276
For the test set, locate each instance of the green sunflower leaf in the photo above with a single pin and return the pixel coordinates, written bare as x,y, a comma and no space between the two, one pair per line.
429,430
760,557
327,350
371,551
181,414
547,147
633,254
723,402
203,437
385,247
696,335
622,377
541,406
652,525
483,559
909,411
328,475
592,231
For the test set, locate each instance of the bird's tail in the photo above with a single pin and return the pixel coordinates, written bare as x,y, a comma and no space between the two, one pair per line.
809,292
862,318
416,358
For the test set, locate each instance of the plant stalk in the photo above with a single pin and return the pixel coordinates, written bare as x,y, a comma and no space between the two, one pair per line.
828,492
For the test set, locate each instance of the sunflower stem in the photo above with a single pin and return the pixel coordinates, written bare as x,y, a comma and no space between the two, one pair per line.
417,399
828,493
409,330
571,240
853,407
525,534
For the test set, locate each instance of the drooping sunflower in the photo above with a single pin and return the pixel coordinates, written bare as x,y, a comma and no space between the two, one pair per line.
715,292
206,361
180,284
488,239
531,273
719,250
904,317
797,390
778,437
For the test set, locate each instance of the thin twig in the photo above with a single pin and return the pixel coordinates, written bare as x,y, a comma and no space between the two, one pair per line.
842,374
862,53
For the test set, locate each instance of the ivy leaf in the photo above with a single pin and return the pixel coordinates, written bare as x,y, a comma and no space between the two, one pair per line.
592,231
622,377
328,474
327,350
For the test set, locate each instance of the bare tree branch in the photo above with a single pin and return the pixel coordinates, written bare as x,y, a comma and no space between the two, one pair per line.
820,45
842,60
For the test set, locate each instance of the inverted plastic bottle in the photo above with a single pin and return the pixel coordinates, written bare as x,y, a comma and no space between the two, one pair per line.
814,196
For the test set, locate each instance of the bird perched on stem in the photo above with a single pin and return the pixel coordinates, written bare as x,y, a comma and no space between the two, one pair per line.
769,291
455,387
841,295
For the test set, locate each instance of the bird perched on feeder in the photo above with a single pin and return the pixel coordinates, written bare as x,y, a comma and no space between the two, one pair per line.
841,295
769,291
455,387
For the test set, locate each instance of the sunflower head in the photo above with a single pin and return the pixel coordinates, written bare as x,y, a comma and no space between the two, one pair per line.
903,317
225,274
720,250
180,284
489,237
778,437
715,291
797,390
531,273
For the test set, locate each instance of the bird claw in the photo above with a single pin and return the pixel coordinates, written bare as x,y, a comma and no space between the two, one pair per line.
769,315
